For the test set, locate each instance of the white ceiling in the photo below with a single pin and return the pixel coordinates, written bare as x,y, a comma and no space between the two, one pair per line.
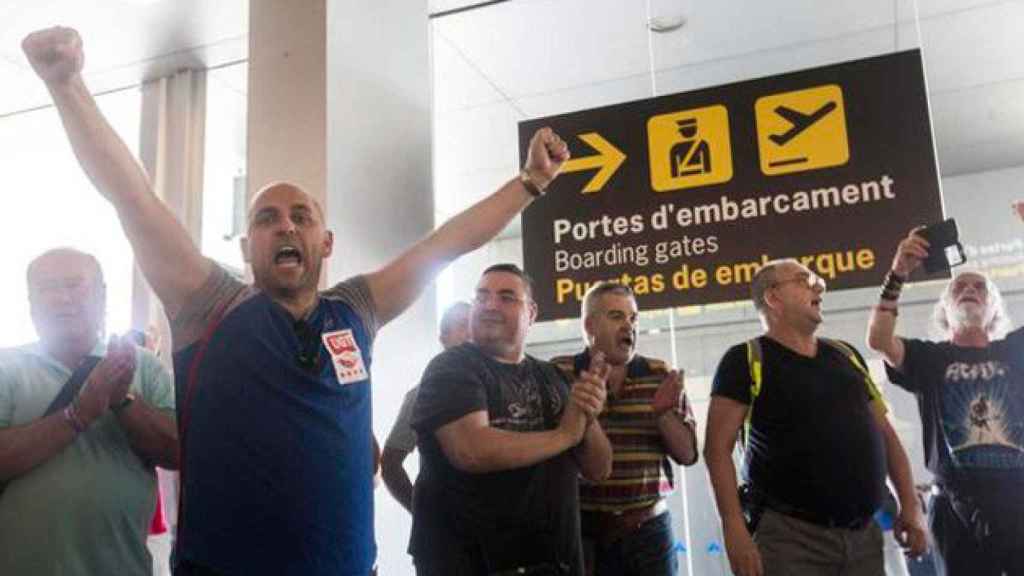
126,41
506,62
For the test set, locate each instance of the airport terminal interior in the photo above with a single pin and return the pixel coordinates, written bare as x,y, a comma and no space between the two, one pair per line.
400,114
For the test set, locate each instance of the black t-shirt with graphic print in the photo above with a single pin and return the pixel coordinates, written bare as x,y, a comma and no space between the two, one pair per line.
481,523
971,402
814,444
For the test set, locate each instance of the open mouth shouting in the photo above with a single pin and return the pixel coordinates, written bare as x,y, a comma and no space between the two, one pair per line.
288,257
624,343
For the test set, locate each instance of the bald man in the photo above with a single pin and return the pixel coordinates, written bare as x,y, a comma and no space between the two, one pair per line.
79,465
273,378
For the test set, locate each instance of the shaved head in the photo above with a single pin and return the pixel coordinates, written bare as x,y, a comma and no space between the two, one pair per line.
282,186
286,242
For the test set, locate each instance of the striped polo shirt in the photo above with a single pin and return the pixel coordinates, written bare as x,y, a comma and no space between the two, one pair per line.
641,473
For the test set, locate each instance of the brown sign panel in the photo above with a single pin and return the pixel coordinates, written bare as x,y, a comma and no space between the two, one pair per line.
684,196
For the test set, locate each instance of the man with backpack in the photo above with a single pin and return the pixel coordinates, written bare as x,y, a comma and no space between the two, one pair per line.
817,443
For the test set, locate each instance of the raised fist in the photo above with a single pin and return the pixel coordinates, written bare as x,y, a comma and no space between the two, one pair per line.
55,54
545,157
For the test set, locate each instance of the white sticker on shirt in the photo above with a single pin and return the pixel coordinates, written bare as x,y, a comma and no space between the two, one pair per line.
346,356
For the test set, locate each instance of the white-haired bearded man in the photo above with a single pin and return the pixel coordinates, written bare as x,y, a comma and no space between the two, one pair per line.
970,395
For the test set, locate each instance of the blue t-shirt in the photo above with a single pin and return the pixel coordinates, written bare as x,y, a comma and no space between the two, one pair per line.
971,402
277,463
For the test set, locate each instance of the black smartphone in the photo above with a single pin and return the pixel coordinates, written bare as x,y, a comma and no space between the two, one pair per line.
944,248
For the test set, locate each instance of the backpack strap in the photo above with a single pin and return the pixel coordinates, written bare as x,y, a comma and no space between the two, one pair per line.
755,363
873,391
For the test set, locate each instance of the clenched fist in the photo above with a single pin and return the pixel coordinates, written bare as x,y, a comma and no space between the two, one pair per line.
55,54
545,157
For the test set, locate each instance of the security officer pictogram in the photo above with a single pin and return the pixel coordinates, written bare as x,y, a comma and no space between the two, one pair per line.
689,148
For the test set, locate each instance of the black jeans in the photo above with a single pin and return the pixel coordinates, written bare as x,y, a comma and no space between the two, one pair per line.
968,548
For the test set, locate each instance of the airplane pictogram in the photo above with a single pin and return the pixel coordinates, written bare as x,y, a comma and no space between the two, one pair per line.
799,120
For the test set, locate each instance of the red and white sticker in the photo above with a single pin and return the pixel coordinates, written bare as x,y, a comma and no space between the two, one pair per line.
346,356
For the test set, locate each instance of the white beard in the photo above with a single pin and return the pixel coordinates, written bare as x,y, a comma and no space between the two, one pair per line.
969,316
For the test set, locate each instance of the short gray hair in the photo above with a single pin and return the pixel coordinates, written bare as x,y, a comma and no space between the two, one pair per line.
595,292
764,279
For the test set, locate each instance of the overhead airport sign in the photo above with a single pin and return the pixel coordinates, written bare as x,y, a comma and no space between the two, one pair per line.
684,196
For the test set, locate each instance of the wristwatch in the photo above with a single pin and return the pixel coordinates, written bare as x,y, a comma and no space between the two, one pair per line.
124,403
530,184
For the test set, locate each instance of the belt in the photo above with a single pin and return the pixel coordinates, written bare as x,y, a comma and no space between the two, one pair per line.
608,527
822,520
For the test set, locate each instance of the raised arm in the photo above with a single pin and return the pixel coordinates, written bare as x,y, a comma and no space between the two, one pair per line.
170,261
399,283
882,336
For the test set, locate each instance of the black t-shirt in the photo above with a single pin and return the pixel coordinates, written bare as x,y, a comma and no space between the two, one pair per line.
971,402
480,523
814,443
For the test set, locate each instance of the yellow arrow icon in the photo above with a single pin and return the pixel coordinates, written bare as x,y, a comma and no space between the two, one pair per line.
608,159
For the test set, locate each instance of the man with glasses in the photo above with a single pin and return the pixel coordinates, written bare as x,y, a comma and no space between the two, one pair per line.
627,527
83,423
970,395
273,377
502,443
817,443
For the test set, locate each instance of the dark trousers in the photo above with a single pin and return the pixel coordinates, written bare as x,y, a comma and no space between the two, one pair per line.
964,550
186,568
189,569
647,551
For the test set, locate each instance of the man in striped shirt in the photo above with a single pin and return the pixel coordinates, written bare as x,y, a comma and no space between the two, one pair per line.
627,528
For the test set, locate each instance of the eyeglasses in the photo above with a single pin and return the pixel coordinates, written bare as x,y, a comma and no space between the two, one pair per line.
482,297
809,279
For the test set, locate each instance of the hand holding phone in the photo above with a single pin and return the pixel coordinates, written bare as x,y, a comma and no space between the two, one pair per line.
944,248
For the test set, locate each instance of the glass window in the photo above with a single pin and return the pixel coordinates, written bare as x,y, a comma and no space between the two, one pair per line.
224,201
51,204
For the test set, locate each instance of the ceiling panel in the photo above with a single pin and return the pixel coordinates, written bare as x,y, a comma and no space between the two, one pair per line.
529,47
774,61
125,41
974,47
458,83
735,28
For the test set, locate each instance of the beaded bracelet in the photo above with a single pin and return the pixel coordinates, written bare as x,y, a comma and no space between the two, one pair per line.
72,419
